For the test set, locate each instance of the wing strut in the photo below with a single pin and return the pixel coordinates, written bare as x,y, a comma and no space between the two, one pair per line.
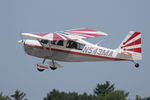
53,65
51,54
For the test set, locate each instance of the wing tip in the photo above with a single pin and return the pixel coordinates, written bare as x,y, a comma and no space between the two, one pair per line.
25,34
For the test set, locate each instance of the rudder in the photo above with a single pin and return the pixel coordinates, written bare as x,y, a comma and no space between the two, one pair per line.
131,45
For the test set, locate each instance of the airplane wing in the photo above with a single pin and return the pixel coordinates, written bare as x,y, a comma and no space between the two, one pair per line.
73,34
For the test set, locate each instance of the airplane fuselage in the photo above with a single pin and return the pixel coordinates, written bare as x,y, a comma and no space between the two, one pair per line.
87,52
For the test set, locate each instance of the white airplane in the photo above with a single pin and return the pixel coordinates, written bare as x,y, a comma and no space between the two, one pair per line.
69,46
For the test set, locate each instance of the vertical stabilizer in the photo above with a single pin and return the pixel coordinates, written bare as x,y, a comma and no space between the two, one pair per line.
131,45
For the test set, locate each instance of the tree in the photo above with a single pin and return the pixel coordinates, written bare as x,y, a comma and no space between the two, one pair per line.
83,96
54,95
139,98
102,92
116,95
99,97
4,97
18,95
104,89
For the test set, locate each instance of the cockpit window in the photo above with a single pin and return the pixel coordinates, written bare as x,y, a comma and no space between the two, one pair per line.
60,42
71,44
80,46
75,45
44,41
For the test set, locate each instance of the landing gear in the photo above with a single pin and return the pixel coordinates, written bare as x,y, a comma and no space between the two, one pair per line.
52,65
53,68
40,70
41,67
136,64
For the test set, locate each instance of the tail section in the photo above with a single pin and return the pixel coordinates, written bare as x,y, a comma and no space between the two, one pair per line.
131,45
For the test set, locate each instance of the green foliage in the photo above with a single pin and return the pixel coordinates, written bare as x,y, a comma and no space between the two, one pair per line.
3,97
139,98
104,89
56,95
116,95
99,97
18,95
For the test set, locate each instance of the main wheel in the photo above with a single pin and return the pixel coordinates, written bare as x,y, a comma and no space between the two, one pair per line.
53,68
40,70
137,65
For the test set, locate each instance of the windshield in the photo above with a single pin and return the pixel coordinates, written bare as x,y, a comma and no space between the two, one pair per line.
44,41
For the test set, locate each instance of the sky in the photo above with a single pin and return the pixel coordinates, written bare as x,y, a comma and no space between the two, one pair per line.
114,17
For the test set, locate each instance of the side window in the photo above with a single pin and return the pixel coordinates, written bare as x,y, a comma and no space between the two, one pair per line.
60,42
80,46
71,44
75,45
44,41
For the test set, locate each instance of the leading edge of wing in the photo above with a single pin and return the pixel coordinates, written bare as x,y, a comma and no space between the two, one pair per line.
73,34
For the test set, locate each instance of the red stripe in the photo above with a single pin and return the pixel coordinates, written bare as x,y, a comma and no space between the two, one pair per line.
133,35
57,37
79,33
139,50
65,37
42,66
40,34
77,53
138,41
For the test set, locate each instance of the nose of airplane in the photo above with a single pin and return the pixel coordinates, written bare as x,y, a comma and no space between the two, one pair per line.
21,42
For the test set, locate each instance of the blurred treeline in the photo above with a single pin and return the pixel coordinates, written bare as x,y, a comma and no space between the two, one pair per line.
105,91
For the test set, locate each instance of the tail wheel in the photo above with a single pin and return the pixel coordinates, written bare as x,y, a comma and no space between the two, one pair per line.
137,65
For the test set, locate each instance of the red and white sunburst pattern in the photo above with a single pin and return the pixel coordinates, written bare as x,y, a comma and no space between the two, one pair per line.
67,34
132,43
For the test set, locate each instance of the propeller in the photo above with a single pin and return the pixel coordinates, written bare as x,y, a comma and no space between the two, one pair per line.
22,41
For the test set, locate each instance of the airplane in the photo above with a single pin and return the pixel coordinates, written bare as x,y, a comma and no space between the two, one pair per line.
70,46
